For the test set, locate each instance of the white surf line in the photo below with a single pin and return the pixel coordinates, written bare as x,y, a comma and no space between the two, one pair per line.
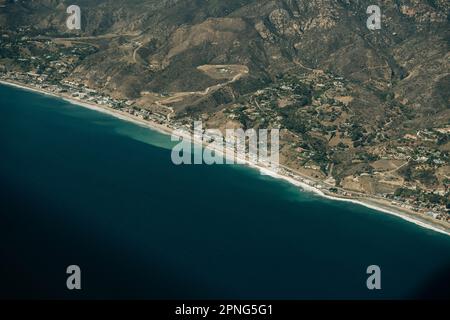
307,187
266,171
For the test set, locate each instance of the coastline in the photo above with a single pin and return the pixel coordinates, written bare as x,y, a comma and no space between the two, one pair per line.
115,113
368,202
374,206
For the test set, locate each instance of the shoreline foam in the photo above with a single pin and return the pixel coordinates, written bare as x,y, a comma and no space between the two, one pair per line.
168,131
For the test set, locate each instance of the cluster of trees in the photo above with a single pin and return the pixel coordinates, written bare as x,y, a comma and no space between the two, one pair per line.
305,94
294,123
356,132
426,177
443,139
422,196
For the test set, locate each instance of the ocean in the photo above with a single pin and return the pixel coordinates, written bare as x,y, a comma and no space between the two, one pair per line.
79,187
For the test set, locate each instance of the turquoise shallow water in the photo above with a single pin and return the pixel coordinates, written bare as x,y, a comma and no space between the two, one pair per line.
81,187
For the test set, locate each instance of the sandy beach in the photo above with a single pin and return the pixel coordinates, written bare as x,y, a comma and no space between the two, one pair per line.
372,203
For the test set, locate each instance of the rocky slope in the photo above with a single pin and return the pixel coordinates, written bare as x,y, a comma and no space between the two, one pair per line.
268,36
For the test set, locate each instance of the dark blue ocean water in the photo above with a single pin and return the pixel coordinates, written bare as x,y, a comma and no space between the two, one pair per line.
80,187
